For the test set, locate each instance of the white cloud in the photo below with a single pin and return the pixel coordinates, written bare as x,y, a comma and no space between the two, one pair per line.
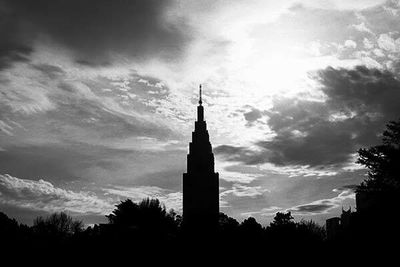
44,196
350,44
386,42
362,27
263,212
240,190
345,4
368,44
295,171
378,52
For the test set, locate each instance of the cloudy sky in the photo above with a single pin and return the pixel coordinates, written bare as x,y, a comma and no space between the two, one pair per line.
98,101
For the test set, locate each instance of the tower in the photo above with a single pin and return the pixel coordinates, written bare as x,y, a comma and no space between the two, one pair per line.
200,182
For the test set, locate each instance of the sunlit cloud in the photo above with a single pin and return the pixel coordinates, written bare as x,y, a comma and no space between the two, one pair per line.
44,196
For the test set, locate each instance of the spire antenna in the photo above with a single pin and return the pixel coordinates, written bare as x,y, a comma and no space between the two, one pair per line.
200,101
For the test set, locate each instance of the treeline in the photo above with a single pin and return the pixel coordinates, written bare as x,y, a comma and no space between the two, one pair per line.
137,226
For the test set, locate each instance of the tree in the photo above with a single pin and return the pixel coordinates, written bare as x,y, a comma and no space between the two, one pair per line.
227,223
382,162
311,231
283,219
250,225
57,225
124,214
149,214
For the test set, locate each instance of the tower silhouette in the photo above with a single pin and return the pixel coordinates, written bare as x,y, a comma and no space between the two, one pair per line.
200,183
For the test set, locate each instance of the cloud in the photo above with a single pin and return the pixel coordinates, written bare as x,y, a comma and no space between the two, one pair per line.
93,30
44,196
170,179
350,44
240,190
263,212
361,27
5,128
252,115
386,42
312,208
14,45
49,70
321,134
343,4
323,206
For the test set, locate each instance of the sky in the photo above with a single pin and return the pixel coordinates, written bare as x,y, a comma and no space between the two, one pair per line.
98,102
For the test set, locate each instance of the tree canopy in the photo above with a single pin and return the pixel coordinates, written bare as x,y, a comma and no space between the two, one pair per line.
382,161
148,214
57,224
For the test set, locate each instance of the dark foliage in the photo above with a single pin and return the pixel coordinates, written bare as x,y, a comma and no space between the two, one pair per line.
383,162
57,225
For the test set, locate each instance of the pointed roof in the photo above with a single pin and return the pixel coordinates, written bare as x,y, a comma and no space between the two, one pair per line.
200,101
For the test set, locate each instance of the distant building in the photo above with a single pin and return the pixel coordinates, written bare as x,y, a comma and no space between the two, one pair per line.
337,226
345,218
332,227
368,204
375,219
200,182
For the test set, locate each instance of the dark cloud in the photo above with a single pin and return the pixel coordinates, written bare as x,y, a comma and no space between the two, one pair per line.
362,90
15,44
93,29
358,103
313,208
53,163
252,115
170,179
239,154
229,150
49,70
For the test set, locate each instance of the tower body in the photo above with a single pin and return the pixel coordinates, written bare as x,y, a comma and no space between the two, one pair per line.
200,182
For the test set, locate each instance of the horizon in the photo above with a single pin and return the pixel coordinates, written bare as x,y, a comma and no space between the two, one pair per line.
98,102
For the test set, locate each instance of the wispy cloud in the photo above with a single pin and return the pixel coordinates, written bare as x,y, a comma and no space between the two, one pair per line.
240,190
44,196
323,206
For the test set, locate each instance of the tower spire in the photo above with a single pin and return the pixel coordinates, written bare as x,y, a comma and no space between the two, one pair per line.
200,109
200,101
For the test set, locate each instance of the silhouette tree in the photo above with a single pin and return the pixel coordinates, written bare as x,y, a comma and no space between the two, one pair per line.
377,197
7,225
282,230
57,225
283,219
125,213
251,233
147,215
227,223
383,162
250,225
311,232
